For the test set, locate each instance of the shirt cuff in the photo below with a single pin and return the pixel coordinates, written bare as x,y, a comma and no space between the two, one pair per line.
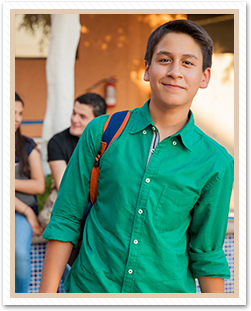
212,264
57,229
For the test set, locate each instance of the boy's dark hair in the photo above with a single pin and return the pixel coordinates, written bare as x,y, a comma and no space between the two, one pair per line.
96,101
182,26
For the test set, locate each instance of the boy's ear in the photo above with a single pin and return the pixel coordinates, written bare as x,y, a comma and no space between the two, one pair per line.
205,78
146,73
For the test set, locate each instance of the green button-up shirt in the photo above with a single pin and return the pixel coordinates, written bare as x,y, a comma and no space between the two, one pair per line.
157,225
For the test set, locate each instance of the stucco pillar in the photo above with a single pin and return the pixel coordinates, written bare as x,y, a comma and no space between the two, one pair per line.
65,34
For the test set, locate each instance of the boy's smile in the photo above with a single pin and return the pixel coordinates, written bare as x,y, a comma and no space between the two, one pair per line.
175,73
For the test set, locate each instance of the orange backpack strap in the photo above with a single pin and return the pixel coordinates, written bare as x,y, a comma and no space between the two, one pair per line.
113,127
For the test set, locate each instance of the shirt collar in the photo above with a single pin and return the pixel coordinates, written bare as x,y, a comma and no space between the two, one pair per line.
186,133
144,120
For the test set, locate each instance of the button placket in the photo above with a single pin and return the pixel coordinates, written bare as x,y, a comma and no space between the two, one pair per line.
136,241
134,251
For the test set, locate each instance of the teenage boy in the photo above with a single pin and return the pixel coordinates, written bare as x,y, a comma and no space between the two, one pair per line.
164,188
61,146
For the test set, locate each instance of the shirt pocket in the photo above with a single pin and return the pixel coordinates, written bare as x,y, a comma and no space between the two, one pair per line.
173,209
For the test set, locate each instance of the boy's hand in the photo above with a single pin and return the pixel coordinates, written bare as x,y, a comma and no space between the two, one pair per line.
211,285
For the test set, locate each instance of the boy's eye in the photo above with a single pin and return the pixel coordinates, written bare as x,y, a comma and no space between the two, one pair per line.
186,62
165,60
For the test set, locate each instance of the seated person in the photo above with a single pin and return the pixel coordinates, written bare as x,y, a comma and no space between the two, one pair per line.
61,146
29,181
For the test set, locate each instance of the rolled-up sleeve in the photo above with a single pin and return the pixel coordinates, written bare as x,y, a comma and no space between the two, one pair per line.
209,224
72,198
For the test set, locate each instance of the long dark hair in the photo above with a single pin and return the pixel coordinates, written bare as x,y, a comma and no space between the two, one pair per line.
24,166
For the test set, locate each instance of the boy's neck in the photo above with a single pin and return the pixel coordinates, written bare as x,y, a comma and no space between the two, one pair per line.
168,121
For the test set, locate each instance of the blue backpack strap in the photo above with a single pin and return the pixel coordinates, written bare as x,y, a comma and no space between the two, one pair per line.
114,126
112,129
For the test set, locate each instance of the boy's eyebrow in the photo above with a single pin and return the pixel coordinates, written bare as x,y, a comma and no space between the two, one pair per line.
168,53
163,52
190,55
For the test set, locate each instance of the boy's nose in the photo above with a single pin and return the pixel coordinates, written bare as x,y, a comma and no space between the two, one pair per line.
74,118
174,71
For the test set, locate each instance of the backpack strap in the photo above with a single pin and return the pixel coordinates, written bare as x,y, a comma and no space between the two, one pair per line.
113,127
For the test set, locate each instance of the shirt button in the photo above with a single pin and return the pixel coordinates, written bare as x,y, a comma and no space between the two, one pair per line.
153,128
135,241
148,180
140,211
130,271
144,132
174,143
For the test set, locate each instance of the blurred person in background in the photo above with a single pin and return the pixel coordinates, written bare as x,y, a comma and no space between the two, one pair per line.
61,146
29,181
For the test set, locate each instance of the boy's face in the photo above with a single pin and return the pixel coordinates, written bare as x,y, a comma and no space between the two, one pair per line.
82,114
175,73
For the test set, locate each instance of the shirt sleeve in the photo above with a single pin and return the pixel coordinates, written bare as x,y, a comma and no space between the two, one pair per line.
54,150
209,225
73,192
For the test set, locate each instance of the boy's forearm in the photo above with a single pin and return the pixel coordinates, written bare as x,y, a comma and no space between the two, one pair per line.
56,258
57,169
211,285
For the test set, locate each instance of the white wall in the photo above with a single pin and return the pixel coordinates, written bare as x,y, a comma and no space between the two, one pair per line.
213,107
